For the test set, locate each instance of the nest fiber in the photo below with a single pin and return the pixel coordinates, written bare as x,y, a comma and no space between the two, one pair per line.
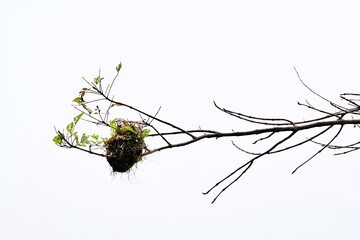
125,148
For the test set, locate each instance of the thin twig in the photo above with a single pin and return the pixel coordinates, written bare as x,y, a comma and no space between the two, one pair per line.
258,120
336,135
333,104
112,83
250,163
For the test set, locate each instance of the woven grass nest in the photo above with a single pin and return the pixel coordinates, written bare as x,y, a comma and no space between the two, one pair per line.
124,149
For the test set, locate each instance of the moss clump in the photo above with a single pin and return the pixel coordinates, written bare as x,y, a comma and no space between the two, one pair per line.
125,147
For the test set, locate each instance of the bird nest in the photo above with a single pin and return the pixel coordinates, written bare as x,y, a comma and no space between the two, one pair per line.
124,149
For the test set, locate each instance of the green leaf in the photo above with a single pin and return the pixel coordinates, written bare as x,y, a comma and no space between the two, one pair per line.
95,139
70,127
95,136
86,108
118,67
58,139
84,140
97,80
78,100
130,129
77,118
113,124
145,133
114,127
75,134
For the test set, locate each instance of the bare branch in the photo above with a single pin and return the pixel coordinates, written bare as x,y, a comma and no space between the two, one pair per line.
325,146
243,150
331,103
258,120
249,163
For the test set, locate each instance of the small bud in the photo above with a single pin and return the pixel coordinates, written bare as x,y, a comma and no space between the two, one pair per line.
118,67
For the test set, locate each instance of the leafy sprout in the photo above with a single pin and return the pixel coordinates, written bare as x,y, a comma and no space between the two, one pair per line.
126,137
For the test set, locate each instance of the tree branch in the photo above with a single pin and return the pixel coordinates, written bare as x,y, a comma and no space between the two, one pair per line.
342,116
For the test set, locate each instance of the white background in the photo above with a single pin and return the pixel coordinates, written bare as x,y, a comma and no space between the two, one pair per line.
180,55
